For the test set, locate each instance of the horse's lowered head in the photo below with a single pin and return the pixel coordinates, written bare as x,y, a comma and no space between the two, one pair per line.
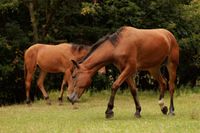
81,80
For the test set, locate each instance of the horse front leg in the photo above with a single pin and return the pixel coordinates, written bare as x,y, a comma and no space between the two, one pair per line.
60,98
122,77
109,112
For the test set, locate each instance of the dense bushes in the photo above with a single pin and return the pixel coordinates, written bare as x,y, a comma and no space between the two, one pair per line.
85,22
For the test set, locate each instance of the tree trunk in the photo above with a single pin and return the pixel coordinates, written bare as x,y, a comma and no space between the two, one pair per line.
33,20
50,12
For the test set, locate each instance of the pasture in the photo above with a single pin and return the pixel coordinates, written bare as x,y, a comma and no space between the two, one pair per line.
90,116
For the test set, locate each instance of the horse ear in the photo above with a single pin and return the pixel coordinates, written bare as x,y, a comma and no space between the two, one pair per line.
75,63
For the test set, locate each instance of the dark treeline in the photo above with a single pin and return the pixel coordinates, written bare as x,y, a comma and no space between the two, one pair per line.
25,22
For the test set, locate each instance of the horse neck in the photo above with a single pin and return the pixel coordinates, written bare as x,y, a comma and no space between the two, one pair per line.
80,54
99,58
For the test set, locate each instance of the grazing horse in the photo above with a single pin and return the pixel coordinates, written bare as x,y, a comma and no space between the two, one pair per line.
130,50
52,59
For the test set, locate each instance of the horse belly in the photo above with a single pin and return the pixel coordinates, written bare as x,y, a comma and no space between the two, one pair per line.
151,60
52,64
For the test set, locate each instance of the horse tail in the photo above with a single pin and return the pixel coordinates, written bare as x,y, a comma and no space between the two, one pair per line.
173,62
174,54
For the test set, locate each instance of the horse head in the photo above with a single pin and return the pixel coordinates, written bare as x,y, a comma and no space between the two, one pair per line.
81,80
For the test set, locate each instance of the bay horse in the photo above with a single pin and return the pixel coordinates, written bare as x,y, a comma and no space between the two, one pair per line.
52,59
130,50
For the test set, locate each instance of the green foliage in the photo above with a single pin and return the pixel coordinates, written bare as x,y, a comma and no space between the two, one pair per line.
190,60
11,66
85,22
189,38
6,5
89,8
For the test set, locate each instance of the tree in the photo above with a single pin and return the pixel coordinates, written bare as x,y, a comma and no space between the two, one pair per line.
85,21
31,6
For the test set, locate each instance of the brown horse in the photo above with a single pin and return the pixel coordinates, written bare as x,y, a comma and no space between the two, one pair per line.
130,50
52,59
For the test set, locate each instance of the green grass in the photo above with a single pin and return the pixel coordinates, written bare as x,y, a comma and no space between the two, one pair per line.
90,117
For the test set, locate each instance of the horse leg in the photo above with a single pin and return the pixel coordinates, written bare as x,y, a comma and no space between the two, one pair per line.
29,69
133,90
122,77
41,86
172,77
67,80
162,85
60,98
28,86
64,84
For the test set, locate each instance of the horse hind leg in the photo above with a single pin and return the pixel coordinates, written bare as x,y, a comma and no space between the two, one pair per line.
155,72
172,78
41,86
29,69
133,90
28,79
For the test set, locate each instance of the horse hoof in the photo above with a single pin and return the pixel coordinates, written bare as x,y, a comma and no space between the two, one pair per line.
28,101
48,102
29,104
60,99
109,114
171,114
137,115
164,110
60,103
74,107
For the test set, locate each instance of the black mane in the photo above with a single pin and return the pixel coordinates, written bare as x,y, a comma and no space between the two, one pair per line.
113,38
79,47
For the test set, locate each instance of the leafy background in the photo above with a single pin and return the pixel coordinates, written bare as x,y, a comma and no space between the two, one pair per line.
25,22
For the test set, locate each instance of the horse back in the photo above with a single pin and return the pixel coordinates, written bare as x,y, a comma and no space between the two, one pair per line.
146,47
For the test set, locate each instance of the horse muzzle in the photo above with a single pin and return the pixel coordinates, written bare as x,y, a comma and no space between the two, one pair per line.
73,97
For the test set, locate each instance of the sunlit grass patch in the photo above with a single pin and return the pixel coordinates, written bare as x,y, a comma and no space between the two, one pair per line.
90,115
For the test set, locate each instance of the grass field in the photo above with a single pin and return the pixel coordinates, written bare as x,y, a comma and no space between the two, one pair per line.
90,118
